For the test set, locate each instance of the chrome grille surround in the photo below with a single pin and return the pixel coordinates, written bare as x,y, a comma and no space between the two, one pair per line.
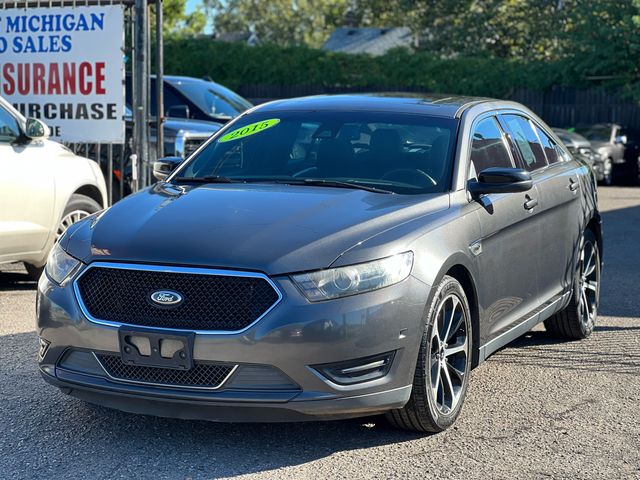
178,270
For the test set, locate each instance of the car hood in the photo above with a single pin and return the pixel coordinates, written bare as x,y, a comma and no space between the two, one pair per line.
275,229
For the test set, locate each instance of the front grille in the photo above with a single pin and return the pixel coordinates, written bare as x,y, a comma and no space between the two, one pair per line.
192,144
202,375
209,301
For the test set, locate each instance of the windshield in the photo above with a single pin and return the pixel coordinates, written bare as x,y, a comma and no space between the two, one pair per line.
600,133
213,99
399,153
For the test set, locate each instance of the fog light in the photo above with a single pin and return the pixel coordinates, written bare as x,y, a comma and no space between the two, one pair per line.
43,347
359,370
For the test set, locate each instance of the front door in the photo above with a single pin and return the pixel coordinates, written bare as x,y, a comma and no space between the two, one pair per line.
509,239
26,192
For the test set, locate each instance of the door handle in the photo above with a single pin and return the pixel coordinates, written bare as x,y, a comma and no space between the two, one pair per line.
573,185
531,203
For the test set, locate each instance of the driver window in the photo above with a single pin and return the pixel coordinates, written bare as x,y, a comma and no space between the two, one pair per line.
9,129
487,146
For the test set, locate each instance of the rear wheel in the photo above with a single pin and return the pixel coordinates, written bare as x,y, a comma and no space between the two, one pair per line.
79,207
444,362
577,320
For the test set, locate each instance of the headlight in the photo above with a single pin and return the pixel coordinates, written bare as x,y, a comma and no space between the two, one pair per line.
364,277
60,265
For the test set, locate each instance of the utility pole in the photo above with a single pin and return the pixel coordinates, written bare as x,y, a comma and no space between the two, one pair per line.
140,100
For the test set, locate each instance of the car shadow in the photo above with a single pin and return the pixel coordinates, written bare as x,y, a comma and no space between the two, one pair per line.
16,279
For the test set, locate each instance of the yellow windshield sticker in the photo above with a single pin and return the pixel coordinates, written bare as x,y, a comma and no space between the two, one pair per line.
249,130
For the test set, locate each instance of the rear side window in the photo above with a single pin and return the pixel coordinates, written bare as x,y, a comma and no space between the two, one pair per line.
548,145
526,141
487,146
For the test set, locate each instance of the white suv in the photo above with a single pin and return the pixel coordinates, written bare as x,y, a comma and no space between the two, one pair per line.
44,188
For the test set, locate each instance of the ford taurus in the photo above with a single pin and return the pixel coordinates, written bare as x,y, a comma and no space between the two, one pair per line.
327,257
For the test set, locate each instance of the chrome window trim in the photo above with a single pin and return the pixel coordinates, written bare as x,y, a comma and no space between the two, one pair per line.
164,385
173,269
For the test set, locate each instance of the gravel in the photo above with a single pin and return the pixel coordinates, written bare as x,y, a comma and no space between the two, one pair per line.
538,408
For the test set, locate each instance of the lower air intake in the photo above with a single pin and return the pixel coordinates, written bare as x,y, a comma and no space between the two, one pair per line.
202,375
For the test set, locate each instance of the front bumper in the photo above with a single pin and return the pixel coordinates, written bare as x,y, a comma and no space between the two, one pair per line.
292,338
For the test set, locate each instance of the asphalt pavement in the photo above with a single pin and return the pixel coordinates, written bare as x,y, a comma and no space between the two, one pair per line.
540,408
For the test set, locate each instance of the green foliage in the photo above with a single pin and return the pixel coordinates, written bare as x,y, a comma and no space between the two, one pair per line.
283,22
480,47
178,22
235,64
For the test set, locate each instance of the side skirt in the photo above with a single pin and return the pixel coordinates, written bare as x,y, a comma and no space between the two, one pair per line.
536,317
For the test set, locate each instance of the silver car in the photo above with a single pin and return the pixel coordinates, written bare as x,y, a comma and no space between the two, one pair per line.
327,257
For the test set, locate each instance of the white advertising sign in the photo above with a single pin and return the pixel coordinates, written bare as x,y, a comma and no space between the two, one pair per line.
65,66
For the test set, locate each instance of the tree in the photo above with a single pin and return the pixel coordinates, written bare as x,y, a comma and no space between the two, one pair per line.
178,22
282,22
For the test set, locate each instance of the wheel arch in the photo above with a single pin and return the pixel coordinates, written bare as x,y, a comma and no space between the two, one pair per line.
90,191
595,225
460,267
463,275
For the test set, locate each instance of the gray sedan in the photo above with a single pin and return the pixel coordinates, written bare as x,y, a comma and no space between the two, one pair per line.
327,257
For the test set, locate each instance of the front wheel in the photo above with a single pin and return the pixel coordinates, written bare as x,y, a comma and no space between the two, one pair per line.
576,320
444,363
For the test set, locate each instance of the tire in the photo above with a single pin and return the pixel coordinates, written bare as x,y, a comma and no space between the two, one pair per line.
34,272
79,207
428,408
577,320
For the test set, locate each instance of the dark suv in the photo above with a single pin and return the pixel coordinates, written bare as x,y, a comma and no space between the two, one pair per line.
194,109
327,257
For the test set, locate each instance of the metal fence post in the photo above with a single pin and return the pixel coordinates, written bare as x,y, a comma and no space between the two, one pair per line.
140,102
159,81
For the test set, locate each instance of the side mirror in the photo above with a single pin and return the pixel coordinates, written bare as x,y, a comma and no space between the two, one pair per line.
163,167
36,129
178,111
621,139
501,180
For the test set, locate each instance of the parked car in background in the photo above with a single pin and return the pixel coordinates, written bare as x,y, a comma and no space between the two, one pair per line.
581,147
615,143
44,189
194,109
327,257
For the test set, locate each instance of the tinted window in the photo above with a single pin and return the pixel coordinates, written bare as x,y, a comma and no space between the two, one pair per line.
405,154
548,145
9,130
526,141
212,99
487,146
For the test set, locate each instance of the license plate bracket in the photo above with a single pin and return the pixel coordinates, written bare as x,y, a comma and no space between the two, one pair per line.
153,348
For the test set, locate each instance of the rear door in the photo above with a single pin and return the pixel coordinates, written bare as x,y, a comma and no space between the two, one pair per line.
26,192
506,252
558,183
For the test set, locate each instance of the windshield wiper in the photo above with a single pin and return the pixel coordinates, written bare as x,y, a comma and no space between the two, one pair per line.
319,182
207,179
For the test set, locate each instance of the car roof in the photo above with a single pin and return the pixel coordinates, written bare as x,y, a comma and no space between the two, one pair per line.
447,106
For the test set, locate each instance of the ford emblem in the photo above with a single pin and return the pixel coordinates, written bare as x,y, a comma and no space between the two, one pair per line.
166,298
